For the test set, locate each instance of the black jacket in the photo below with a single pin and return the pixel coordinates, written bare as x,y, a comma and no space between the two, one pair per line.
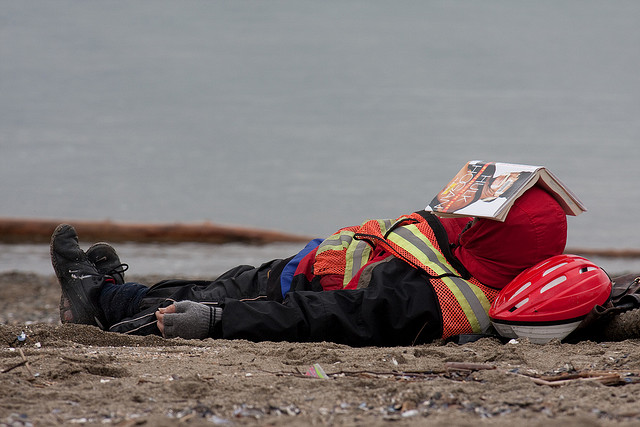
399,307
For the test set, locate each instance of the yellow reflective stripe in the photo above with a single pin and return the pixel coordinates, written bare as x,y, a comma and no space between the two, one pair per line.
471,299
482,298
343,239
464,304
384,224
357,256
336,242
426,253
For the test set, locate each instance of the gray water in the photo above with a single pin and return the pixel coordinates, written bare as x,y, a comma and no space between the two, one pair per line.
305,116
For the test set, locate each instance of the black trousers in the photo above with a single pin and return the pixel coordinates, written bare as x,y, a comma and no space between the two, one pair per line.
131,307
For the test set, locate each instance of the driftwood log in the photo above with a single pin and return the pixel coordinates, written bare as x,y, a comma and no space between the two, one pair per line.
15,230
39,231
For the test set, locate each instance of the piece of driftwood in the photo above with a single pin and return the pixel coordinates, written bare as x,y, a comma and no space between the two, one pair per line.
40,230
604,378
23,230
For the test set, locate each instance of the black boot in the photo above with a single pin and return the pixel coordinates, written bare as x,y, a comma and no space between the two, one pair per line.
107,261
79,279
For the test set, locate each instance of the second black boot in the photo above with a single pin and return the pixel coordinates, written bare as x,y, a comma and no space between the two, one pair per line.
107,261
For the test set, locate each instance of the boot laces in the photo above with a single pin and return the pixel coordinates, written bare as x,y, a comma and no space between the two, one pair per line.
118,270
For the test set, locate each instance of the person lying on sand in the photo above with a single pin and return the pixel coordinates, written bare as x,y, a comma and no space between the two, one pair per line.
385,282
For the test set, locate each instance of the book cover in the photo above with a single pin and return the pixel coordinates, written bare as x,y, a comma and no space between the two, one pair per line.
488,189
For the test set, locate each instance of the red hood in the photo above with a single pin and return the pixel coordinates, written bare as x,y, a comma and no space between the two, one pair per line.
495,252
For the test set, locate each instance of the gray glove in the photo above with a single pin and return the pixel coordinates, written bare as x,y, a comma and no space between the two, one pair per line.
192,320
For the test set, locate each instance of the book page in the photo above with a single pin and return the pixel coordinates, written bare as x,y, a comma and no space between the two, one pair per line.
569,201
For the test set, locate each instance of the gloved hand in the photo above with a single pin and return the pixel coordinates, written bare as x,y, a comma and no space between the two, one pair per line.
189,320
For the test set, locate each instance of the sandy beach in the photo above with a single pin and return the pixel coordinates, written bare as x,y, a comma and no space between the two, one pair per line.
54,374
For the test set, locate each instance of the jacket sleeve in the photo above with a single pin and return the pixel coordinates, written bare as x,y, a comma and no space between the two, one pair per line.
398,307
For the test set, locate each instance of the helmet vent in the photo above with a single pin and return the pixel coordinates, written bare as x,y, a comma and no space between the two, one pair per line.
522,288
585,269
518,305
553,268
555,282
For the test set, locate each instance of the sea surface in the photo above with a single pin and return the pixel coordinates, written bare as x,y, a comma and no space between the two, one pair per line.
305,116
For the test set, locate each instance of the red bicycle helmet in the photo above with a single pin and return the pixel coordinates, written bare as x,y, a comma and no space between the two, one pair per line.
550,299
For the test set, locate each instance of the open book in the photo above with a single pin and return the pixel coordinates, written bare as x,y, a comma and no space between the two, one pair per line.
488,190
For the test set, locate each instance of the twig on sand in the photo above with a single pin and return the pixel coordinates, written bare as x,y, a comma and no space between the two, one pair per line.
603,377
12,367
464,366
24,362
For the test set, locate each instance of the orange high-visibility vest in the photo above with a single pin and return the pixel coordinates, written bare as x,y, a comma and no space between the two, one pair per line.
464,303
